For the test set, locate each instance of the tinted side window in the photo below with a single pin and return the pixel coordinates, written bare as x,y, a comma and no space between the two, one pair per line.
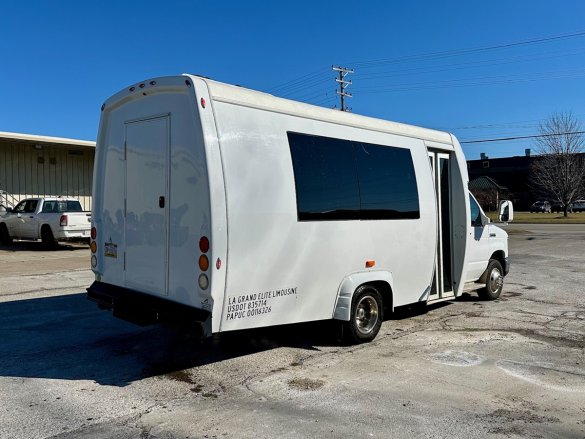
31,206
325,178
20,207
339,179
387,182
50,206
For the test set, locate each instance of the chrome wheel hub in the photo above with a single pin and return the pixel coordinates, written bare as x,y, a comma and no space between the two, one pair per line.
496,280
366,315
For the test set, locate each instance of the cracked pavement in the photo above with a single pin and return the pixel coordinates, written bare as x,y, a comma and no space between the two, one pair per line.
510,368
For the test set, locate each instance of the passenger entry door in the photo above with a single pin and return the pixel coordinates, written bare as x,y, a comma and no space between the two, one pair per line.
146,207
442,284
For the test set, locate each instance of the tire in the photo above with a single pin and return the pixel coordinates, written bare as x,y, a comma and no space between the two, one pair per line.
367,312
48,238
5,238
494,278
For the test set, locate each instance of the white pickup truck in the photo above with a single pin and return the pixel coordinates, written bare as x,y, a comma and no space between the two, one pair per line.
49,219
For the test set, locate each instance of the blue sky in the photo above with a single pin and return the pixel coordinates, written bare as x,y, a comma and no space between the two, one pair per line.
61,60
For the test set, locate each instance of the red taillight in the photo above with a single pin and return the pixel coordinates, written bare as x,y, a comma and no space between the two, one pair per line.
204,244
93,233
63,220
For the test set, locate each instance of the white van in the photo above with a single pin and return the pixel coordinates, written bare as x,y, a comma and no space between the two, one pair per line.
237,209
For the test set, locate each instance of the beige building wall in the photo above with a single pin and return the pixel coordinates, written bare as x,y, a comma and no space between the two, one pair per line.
38,170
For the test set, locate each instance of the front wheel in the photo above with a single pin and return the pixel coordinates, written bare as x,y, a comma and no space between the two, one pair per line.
494,281
366,315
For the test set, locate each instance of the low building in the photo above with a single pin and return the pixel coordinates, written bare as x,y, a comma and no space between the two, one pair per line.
488,192
512,173
38,166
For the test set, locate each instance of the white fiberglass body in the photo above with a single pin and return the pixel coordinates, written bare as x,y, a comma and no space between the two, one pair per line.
184,158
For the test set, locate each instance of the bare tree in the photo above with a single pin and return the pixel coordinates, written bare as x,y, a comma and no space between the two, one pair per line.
487,198
559,168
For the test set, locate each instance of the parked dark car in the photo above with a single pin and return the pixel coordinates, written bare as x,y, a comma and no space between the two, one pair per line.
558,207
579,206
541,207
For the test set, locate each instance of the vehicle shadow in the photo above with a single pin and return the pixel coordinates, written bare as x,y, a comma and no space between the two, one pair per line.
68,337
415,310
38,246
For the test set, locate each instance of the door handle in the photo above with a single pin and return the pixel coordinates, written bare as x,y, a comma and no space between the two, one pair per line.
161,202
492,235
31,216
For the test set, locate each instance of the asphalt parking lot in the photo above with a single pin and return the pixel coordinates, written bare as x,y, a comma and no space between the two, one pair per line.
510,368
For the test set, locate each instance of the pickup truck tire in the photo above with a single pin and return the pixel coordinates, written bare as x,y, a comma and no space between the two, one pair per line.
494,281
47,238
5,238
366,315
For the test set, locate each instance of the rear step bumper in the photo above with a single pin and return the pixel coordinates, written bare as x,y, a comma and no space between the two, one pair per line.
142,309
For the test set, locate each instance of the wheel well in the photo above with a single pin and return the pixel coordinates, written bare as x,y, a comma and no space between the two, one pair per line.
386,291
499,256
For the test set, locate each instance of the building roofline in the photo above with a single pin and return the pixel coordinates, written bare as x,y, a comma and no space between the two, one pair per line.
34,139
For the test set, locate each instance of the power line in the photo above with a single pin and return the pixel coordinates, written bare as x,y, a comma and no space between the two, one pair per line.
506,139
448,53
494,125
303,91
425,70
298,81
318,77
474,82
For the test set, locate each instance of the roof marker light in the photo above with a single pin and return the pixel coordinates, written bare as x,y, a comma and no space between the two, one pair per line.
152,82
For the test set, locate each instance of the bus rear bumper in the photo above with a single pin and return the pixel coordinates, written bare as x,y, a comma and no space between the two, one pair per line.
143,309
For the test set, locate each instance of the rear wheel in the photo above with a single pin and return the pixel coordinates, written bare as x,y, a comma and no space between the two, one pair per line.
48,238
5,238
494,281
366,315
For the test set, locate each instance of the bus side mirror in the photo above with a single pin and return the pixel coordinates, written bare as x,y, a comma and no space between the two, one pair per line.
506,211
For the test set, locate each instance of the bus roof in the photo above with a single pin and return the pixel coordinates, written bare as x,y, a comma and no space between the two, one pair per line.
255,99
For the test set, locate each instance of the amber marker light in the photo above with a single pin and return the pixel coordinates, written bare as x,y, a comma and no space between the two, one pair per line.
93,246
370,264
203,263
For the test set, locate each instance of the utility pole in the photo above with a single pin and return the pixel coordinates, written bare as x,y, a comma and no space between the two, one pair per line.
342,84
